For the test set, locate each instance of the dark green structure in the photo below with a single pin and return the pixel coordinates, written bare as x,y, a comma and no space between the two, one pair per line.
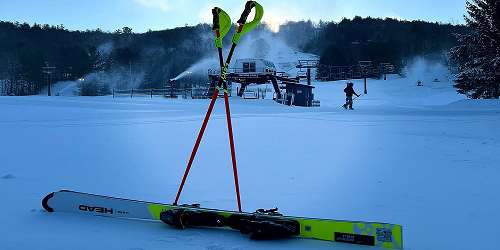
299,94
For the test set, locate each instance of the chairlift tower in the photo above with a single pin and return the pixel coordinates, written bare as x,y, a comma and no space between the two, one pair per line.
48,70
259,71
308,65
386,68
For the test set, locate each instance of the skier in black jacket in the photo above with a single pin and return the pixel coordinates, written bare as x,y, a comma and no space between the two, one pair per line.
349,91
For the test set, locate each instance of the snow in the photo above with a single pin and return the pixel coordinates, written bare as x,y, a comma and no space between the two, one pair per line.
423,157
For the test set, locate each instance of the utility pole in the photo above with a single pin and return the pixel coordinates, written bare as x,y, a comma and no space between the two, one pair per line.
308,76
48,70
365,66
130,73
366,91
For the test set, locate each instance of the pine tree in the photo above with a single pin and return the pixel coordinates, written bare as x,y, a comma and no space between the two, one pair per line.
477,58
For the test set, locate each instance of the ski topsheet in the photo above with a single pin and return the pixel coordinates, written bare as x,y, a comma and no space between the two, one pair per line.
389,236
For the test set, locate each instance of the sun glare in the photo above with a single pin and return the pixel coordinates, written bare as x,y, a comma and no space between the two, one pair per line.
273,22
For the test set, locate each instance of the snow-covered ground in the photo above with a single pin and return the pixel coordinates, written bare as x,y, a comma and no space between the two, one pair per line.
423,157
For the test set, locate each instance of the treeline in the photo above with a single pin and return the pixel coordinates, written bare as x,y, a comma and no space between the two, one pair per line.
477,55
124,59
24,49
373,39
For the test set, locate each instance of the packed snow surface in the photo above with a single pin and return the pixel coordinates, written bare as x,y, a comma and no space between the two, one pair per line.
423,157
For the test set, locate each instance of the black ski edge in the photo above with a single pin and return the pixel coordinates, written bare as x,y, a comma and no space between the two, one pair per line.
45,202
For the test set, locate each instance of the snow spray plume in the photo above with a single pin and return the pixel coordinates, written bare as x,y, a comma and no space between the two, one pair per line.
102,82
421,69
261,44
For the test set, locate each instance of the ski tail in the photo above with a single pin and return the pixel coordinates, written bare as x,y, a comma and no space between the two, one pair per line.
89,204
45,203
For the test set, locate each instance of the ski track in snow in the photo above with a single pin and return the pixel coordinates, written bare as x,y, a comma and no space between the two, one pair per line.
421,157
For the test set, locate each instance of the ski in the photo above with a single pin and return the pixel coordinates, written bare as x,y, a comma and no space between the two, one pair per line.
263,224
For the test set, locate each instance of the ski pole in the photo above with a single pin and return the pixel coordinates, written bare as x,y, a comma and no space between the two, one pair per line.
248,7
220,17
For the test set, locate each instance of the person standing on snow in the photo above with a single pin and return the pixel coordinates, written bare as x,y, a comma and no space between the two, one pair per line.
349,91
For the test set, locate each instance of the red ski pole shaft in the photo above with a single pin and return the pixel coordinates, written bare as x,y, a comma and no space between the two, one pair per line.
197,144
233,153
229,124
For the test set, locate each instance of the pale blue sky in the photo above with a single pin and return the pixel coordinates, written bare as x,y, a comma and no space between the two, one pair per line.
142,15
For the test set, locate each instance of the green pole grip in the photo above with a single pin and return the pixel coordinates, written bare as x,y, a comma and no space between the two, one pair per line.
221,25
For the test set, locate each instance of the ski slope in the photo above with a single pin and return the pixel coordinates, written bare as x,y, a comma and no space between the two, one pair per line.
423,157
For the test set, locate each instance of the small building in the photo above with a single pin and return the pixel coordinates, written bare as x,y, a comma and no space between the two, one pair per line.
259,71
253,66
299,94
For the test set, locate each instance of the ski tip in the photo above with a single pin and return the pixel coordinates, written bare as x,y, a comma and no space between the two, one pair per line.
45,202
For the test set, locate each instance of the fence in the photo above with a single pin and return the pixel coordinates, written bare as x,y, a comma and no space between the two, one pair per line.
257,93
17,88
185,93
334,73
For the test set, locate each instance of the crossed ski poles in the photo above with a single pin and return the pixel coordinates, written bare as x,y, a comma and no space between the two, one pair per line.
221,26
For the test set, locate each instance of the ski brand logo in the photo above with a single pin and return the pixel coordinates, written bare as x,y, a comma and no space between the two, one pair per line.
101,210
354,239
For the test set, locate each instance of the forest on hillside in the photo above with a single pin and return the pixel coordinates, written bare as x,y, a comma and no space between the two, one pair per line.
148,60
381,40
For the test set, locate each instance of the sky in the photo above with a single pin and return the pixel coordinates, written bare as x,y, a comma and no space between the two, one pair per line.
142,15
